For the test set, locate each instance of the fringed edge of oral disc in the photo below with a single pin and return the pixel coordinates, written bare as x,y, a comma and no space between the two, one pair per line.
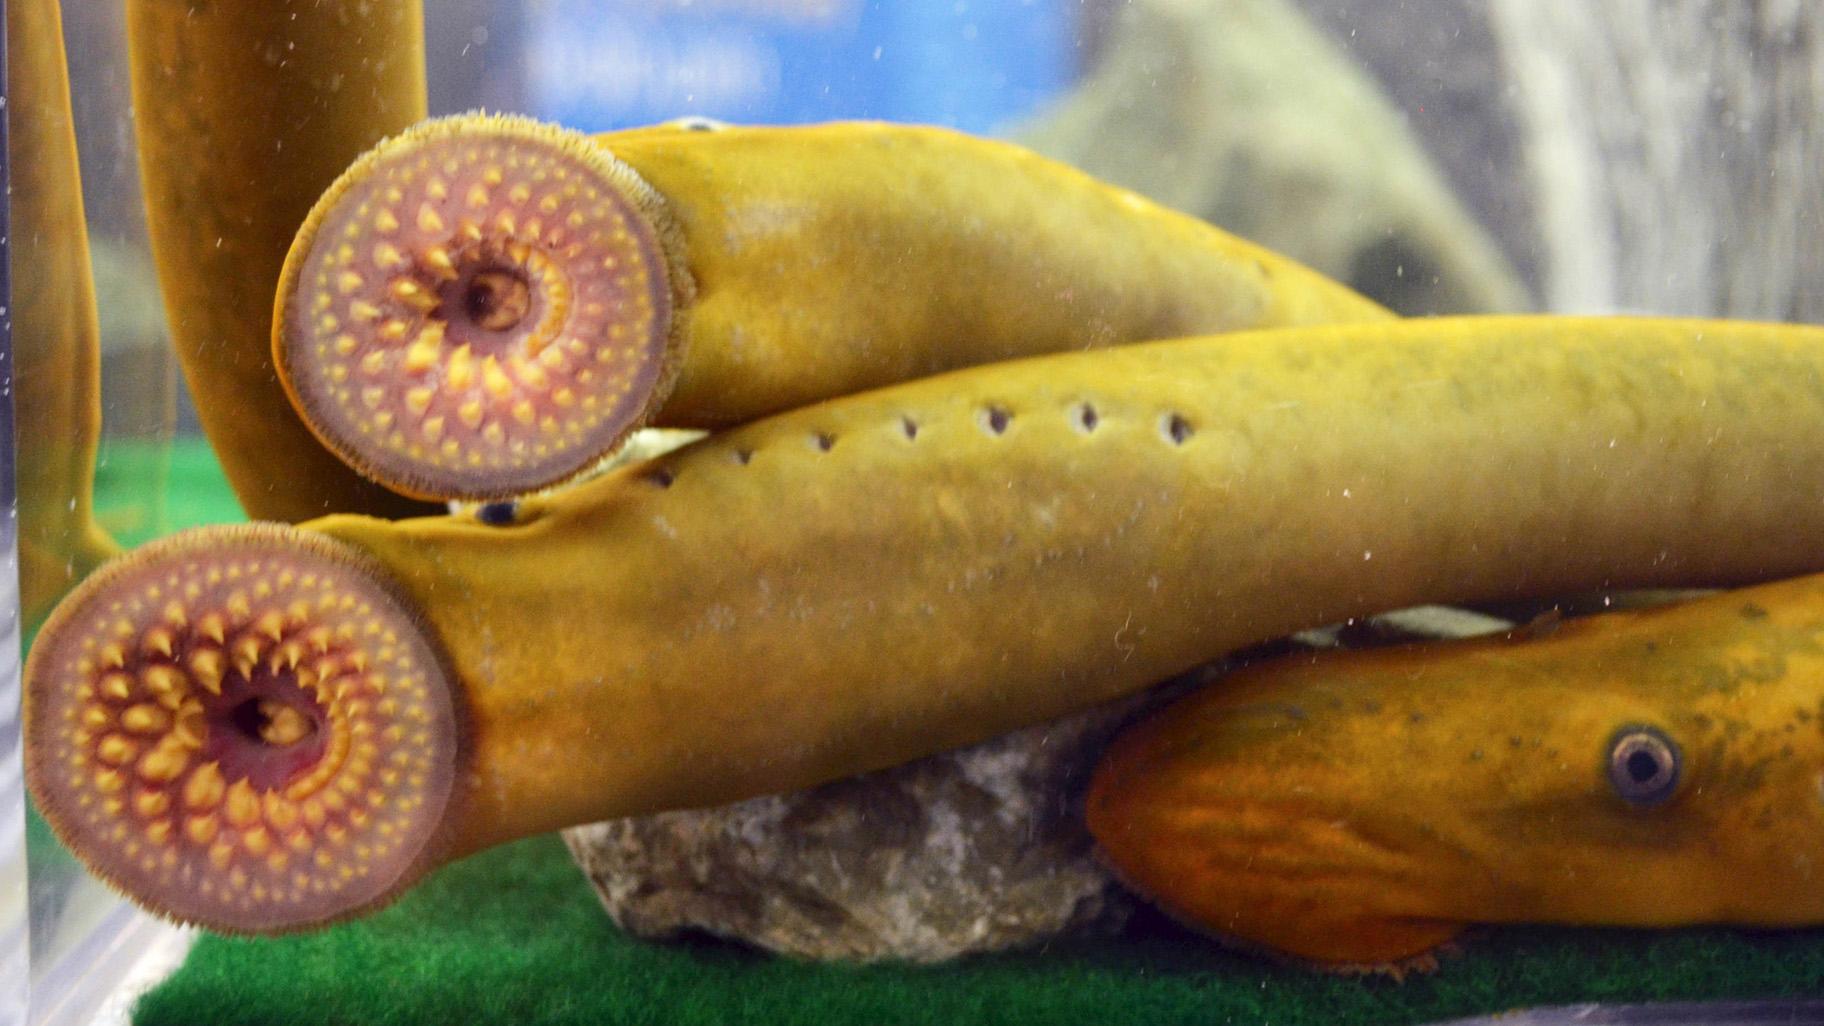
480,307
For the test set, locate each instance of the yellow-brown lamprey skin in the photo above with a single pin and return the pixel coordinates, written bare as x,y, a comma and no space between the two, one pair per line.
891,574
244,113
1650,769
56,341
487,305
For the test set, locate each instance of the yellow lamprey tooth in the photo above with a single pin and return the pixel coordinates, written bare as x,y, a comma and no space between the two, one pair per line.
163,764
247,652
478,196
428,221
318,638
257,841
418,400
460,371
450,448
383,420
300,842
494,379
243,805
387,256
348,282
422,355
206,669
438,259
409,291
393,330
549,425
163,680
201,829
158,832
113,655
548,205
385,221
524,412
117,686
290,654
470,230
312,811
470,413
145,719
239,606
519,194
280,813
436,188
174,614
151,803
116,750
220,854
493,175
271,624
361,309
157,640
506,223
531,375
373,363
492,434
278,861
191,728
110,781
373,395
564,397
432,429
95,717
204,788
346,345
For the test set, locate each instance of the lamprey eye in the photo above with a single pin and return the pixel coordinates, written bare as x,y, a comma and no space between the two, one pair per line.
1644,766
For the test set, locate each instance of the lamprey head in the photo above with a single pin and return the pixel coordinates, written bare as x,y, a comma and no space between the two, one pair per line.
1642,769
242,727
480,307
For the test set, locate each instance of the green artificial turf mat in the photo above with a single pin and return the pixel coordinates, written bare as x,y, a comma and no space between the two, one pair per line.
515,936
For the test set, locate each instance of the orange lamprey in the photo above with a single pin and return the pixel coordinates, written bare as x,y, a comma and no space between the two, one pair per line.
253,732
479,313
485,305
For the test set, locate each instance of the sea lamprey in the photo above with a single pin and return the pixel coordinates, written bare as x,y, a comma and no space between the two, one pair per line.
56,340
486,305
264,728
244,112
1647,769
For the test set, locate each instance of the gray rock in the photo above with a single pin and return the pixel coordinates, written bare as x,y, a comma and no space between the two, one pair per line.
979,849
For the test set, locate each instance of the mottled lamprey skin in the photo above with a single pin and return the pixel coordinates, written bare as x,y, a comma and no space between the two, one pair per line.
879,577
244,113
1365,807
56,340
486,305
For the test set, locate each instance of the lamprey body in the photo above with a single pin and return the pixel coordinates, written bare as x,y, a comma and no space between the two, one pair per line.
486,305
875,578
56,341
244,113
1648,769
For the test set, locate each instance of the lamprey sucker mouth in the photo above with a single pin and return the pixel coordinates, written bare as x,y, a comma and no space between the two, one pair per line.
477,314
242,727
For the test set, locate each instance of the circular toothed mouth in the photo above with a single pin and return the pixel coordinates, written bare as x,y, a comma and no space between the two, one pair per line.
241,727
478,308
